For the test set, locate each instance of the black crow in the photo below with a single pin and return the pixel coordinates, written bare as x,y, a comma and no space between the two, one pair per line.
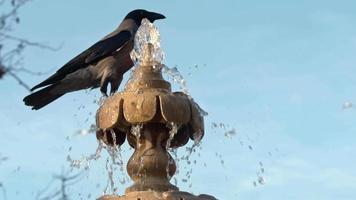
104,62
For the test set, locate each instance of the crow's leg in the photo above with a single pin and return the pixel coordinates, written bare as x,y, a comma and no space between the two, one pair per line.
104,86
115,85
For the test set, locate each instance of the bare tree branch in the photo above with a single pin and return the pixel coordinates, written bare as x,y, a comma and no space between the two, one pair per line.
19,80
12,47
29,43
7,19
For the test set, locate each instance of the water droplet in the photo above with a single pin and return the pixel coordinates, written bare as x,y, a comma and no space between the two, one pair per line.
347,105
261,180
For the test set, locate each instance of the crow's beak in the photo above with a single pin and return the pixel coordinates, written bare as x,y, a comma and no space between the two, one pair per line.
155,16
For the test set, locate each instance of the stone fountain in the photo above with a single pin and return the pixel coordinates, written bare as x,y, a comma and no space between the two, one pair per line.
153,119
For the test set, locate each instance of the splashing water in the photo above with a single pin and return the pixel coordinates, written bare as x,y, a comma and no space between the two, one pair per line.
172,132
84,132
110,183
177,77
147,51
174,74
187,171
102,100
85,161
228,132
113,162
136,131
187,156
147,45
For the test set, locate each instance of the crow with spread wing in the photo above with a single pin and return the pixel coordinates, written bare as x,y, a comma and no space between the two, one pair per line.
104,62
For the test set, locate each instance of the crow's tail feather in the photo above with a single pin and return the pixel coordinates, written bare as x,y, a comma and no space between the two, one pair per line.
41,98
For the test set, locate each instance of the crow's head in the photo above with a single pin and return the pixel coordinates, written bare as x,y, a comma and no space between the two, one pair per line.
140,14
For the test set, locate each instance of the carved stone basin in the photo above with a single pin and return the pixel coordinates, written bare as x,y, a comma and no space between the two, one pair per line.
141,103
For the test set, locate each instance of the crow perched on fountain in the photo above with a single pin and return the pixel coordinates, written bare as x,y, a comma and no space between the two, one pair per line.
104,62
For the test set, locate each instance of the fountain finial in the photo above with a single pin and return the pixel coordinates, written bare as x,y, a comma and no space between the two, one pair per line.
153,119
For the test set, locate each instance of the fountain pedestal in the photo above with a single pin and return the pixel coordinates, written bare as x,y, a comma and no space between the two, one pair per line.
153,119
151,166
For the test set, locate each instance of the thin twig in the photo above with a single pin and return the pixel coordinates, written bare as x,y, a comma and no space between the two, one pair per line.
27,42
6,25
25,70
19,80
14,9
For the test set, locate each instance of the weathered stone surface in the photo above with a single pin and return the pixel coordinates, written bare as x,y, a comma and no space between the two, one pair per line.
139,107
175,108
196,123
109,113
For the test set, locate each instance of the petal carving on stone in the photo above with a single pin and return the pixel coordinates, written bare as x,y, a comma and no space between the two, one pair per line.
139,107
182,137
196,123
175,108
109,113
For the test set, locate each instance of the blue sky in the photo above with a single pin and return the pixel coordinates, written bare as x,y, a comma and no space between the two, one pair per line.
277,71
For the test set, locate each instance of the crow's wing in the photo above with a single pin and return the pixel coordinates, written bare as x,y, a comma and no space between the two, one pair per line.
93,54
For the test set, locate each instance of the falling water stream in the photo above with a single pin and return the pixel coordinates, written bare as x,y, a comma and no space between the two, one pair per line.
113,163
